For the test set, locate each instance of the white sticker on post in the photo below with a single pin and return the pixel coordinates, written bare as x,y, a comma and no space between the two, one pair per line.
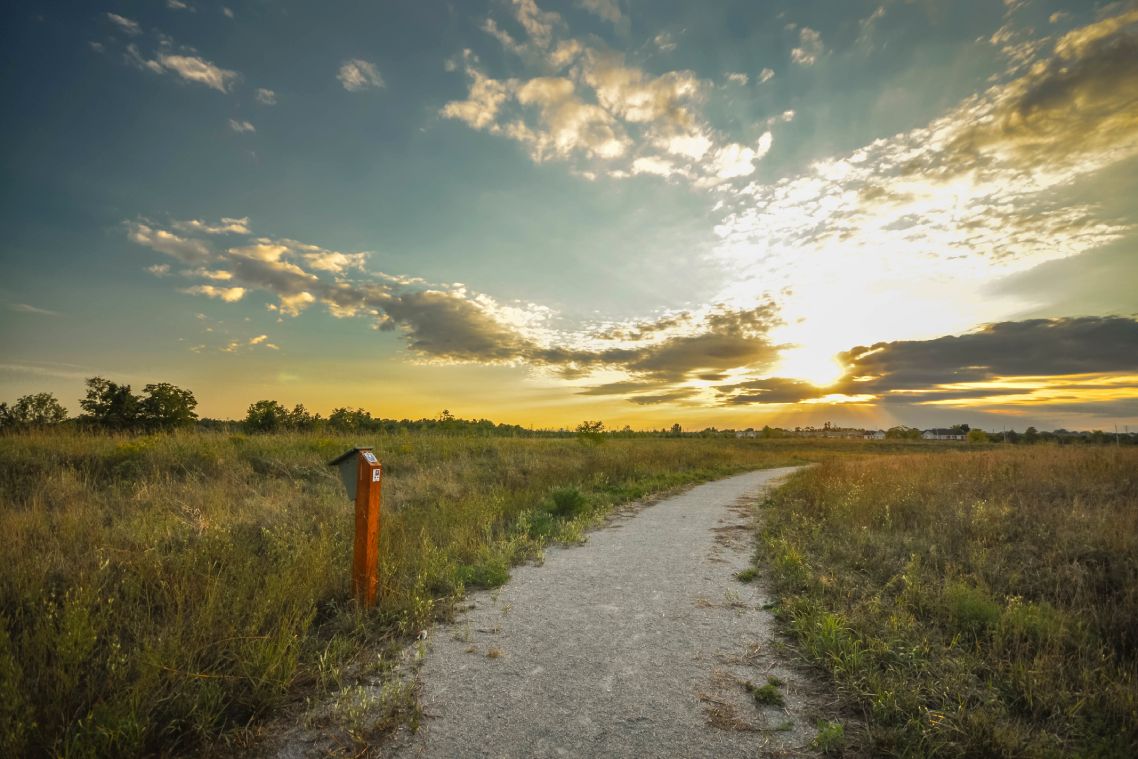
370,457
376,474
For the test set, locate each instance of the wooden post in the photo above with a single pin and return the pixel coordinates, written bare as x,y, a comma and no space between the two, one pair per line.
365,562
362,475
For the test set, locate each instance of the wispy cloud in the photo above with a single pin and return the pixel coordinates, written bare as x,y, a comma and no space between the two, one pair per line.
241,127
357,74
809,49
606,9
24,308
266,96
127,25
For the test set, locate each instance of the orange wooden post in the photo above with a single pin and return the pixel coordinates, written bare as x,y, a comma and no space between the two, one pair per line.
363,477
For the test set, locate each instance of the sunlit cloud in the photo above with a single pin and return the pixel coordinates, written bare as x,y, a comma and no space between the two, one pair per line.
357,74
599,111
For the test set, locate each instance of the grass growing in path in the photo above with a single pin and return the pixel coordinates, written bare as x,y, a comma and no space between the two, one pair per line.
161,594
974,604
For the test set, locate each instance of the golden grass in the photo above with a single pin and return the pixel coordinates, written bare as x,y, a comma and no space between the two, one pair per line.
980,604
162,594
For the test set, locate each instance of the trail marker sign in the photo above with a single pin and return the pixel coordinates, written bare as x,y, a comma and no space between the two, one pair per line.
362,475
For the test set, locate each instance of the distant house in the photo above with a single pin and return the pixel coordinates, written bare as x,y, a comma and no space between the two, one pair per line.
879,435
942,434
746,433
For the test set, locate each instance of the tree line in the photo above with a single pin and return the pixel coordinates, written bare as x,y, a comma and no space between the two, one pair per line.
161,407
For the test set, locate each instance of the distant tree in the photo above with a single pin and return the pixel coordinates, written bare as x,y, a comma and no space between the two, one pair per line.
36,410
300,419
977,436
1011,436
1031,435
902,432
110,405
677,430
167,407
591,432
346,420
266,416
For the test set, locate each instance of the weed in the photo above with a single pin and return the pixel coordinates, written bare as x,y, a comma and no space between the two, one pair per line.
830,738
769,694
747,575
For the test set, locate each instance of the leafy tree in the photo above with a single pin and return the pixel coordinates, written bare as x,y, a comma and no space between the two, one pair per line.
300,419
346,420
110,405
266,416
1031,435
977,436
677,430
591,432
902,432
36,410
167,407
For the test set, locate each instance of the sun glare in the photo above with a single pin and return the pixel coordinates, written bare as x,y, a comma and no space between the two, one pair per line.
819,368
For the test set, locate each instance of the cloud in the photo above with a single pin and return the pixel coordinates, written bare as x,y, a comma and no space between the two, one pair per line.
24,308
451,324
809,49
225,226
664,42
1079,362
1036,347
357,74
178,5
159,270
125,24
774,390
266,96
227,294
606,9
1079,105
187,250
227,12
738,77
480,108
569,124
195,69
588,105
241,127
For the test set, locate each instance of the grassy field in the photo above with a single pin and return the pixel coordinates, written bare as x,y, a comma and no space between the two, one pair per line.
973,604
164,594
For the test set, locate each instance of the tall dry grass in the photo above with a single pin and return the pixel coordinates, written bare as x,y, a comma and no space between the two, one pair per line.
163,594
976,604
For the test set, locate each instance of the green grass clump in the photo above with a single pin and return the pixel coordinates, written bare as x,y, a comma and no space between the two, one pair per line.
970,604
830,738
164,594
768,694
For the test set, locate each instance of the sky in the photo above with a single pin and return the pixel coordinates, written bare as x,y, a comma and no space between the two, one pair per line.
729,214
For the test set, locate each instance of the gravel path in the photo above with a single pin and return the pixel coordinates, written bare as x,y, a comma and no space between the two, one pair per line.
638,643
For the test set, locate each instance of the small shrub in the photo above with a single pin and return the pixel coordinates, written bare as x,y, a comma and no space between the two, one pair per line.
568,502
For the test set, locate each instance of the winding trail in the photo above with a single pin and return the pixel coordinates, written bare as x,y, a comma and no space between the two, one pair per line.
638,643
